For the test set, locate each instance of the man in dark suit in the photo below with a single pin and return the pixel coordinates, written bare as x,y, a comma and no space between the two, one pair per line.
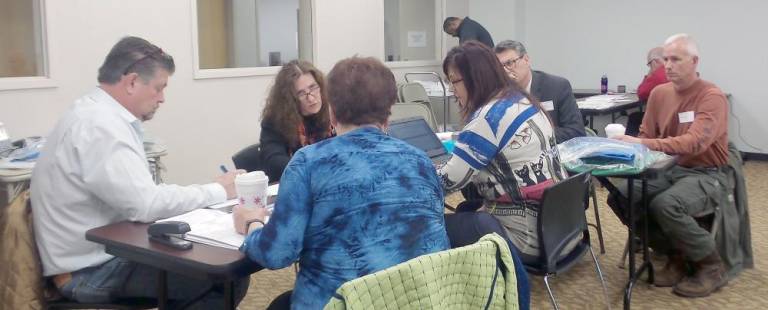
466,29
554,92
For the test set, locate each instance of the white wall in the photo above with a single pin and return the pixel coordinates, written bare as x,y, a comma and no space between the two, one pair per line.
499,17
203,122
582,40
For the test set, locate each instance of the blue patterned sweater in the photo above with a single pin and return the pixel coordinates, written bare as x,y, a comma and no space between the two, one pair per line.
349,206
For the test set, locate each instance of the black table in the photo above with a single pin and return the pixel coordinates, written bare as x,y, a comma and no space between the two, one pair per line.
585,92
631,103
651,172
218,265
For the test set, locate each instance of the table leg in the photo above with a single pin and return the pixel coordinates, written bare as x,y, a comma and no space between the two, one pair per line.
631,245
162,290
646,254
634,273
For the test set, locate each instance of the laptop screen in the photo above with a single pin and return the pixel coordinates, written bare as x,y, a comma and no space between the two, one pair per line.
415,131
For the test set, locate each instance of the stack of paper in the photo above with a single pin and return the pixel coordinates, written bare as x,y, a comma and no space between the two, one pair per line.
212,227
603,101
6,163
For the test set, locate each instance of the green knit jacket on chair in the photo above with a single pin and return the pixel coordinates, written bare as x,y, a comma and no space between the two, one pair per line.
477,276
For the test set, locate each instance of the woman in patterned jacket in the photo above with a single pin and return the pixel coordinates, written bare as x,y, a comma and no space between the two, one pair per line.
507,149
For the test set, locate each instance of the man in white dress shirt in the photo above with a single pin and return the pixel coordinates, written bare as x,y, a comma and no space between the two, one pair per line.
93,172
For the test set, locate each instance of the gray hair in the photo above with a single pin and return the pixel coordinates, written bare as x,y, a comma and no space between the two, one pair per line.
690,44
506,45
656,53
134,54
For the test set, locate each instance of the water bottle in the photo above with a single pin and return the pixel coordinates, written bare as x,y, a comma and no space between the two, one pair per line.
604,84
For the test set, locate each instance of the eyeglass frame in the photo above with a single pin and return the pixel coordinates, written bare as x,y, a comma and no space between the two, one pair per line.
509,64
651,61
152,54
313,90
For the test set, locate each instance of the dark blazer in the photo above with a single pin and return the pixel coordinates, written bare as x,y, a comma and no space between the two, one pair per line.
566,115
275,152
472,30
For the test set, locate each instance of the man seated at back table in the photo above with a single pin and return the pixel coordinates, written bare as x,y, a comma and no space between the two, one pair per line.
93,172
689,118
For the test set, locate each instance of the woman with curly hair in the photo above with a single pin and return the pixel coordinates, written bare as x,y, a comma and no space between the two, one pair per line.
295,115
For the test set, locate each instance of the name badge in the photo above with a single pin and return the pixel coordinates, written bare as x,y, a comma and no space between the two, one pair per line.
548,105
685,117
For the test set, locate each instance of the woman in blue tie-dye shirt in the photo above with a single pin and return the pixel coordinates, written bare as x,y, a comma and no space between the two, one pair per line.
350,205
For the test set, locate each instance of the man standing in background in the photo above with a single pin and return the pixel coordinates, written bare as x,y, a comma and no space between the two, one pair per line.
466,29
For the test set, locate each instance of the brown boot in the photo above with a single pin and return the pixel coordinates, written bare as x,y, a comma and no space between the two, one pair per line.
710,276
672,273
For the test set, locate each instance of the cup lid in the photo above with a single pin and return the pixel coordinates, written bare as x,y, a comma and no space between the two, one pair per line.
253,176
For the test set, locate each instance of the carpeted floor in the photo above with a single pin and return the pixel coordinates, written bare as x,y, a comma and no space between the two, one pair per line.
579,288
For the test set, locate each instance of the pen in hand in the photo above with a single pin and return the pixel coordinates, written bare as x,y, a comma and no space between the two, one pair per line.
223,168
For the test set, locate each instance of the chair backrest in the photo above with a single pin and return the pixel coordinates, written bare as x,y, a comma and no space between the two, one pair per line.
413,92
249,158
477,276
590,132
406,110
562,218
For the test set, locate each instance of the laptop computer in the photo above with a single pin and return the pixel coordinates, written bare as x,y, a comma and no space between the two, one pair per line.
415,131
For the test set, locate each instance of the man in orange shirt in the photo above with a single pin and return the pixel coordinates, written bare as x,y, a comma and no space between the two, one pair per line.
688,118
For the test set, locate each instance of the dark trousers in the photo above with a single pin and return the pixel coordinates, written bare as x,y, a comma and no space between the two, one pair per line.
466,227
119,278
676,197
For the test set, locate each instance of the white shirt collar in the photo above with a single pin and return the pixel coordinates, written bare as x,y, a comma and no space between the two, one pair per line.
100,95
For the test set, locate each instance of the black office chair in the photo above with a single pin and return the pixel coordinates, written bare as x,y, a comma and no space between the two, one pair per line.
561,221
249,158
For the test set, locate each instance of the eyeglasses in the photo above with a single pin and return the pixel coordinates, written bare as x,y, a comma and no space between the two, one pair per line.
651,61
509,64
313,90
454,82
157,53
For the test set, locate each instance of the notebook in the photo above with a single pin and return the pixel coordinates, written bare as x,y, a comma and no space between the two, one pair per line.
415,131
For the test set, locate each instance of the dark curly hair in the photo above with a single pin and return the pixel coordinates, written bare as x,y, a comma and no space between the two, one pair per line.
283,109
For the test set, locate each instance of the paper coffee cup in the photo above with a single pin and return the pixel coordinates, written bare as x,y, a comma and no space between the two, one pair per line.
613,130
251,189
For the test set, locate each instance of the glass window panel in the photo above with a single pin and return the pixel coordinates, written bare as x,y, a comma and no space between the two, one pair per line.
409,30
253,33
21,39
